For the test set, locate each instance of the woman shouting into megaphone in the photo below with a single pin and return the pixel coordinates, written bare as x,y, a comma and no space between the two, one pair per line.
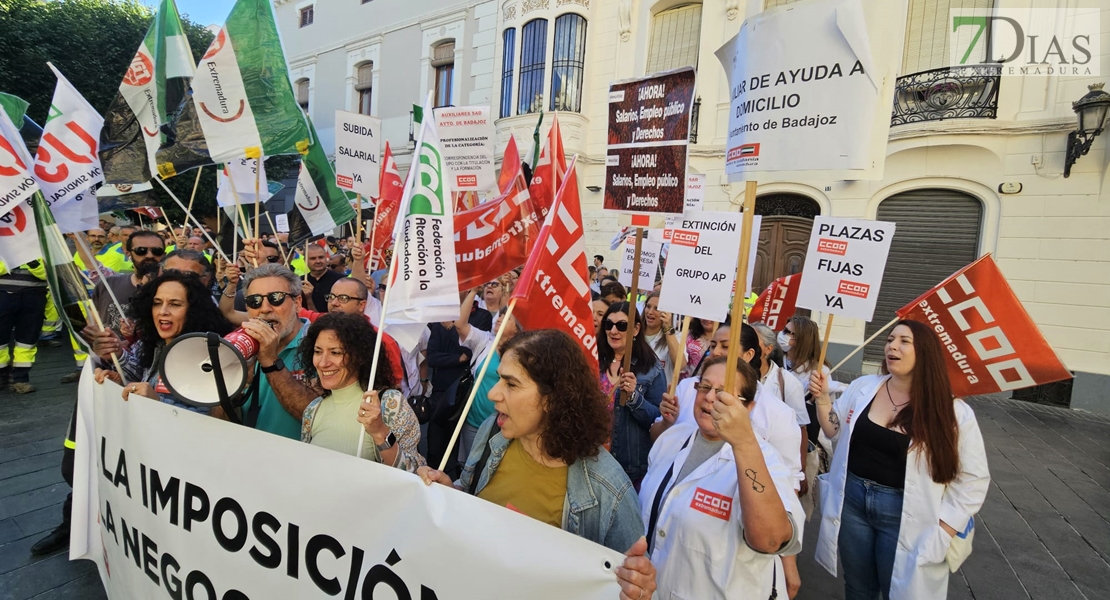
170,305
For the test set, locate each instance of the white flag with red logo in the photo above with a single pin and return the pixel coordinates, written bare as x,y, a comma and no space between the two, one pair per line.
19,240
777,303
16,182
553,292
67,162
550,170
385,213
991,345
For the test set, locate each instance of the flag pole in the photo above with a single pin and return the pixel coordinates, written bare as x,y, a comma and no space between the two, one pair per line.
100,324
306,261
865,343
196,183
242,214
678,364
257,198
140,216
373,230
189,215
168,224
740,285
392,269
825,342
358,218
477,382
103,275
629,335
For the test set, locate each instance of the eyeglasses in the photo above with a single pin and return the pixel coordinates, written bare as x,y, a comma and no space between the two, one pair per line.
494,284
342,298
141,251
273,259
705,388
788,332
274,298
621,326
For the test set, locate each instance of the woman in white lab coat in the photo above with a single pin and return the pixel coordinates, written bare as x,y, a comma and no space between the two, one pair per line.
719,505
909,472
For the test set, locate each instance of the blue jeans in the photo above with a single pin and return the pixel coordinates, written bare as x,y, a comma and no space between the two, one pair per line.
868,541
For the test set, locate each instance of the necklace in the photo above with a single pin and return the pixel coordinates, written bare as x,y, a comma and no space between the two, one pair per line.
886,386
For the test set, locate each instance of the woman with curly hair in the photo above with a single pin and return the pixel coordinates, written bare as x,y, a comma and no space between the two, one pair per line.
540,453
172,304
338,354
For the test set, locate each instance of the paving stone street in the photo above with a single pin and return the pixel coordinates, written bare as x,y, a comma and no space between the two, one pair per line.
1044,532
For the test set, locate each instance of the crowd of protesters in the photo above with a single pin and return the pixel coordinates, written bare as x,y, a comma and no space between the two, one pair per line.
706,487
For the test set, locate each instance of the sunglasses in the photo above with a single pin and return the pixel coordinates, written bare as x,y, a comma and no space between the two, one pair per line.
342,298
621,326
788,332
273,259
274,298
141,251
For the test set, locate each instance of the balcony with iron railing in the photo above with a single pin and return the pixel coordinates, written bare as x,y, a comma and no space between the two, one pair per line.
961,92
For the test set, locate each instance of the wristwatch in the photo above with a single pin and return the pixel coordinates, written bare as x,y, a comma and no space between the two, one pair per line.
388,443
274,368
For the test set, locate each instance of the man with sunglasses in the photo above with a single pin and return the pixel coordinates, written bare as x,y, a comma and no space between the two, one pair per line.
277,398
145,249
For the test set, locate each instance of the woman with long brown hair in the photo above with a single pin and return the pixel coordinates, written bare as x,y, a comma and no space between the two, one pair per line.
908,474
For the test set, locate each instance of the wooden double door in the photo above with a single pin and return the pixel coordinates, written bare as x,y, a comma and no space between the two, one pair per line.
783,241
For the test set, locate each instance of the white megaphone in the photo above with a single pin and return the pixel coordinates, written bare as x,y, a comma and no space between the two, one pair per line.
189,372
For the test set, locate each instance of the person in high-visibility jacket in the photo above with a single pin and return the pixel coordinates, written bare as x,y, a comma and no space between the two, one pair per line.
22,310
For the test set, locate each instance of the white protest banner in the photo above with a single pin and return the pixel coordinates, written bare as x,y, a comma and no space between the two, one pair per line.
281,222
76,213
466,139
358,147
844,266
695,192
822,106
168,504
649,263
701,266
241,173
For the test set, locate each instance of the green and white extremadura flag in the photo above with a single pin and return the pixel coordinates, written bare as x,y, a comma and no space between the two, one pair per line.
156,79
242,102
320,205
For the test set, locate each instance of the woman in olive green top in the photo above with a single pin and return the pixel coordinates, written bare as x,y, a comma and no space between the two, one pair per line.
338,353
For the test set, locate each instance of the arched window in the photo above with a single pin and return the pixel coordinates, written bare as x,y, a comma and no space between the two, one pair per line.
443,61
302,93
533,54
568,62
507,55
364,85
675,37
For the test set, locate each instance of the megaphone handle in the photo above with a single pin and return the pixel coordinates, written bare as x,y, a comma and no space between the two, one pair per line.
221,387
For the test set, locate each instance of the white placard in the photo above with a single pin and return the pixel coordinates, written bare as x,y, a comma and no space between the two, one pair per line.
466,141
649,263
358,146
844,266
166,507
701,265
281,223
821,106
241,173
695,192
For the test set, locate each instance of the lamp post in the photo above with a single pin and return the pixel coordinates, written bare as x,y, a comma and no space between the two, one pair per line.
1091,111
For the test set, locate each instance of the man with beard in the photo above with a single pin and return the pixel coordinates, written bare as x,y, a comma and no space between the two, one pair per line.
276,398
145,249
102,250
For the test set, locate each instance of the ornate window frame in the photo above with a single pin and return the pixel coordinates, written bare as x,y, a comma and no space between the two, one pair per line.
359,54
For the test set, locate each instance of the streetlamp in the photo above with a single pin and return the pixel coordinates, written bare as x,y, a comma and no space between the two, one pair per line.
1091,110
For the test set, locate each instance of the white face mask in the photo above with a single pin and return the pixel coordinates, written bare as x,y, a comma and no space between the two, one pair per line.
784,341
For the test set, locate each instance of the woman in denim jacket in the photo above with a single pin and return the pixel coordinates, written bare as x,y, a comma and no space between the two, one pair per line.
540,453
632,420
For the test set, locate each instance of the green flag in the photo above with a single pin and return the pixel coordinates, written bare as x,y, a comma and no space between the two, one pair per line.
320,205
15,106
66,287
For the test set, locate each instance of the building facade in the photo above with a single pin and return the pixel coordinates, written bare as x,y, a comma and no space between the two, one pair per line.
974,162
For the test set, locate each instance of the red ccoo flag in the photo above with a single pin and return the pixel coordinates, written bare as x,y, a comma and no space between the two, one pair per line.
495,237
777,303
979,320
153,212
551,164
553,292
385,213
510,165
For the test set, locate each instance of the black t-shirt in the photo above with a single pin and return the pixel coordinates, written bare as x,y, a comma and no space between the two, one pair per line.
878,453
322,287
